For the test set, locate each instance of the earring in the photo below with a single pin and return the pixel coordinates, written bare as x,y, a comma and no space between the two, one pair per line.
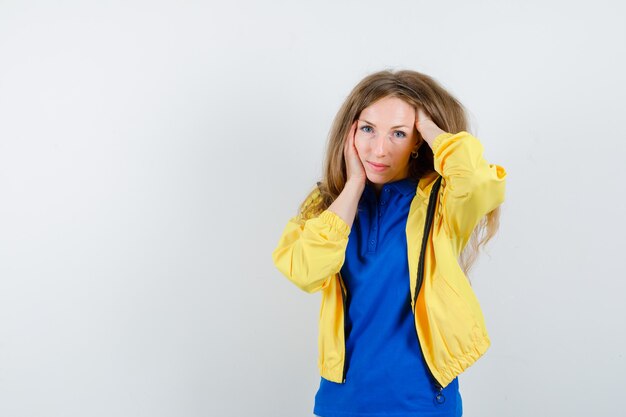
414,154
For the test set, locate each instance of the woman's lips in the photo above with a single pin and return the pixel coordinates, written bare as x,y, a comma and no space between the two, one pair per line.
378,167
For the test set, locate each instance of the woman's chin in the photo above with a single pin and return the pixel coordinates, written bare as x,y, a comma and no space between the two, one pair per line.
375,178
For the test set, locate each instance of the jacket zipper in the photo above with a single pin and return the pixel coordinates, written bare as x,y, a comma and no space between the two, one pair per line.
430,213
345,311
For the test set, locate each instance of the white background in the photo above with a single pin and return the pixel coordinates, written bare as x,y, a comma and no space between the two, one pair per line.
152,152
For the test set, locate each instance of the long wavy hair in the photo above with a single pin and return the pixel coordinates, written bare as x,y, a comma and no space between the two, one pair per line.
418,90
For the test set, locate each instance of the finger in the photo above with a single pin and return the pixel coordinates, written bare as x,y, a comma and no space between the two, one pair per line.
419,115
350,136
352,132
346,146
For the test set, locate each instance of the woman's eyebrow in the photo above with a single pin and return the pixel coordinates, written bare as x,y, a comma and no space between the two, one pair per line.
370,123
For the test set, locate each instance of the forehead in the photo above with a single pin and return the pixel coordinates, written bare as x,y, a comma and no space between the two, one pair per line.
389,110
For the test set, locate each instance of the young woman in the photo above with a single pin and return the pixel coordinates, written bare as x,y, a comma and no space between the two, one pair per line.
388,236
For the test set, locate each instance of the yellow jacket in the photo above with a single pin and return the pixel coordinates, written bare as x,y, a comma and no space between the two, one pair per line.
448,319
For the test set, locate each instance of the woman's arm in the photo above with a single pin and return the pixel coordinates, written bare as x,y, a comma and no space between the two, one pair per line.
310,251
346,204
473,187
428,129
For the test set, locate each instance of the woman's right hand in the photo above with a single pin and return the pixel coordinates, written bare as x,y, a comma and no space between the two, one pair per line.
354,167
346,204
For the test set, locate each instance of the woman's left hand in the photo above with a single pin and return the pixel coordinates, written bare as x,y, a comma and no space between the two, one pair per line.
426,127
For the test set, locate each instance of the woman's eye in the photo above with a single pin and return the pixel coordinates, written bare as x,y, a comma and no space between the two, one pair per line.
400,134
364,129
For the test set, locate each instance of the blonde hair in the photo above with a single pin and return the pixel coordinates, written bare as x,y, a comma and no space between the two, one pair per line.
418,90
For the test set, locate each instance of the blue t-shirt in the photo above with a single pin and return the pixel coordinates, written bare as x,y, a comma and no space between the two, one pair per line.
386,373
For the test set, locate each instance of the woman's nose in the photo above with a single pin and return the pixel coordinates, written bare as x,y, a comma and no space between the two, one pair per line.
380,147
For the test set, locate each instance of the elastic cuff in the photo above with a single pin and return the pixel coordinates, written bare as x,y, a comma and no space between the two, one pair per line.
335,222
440,138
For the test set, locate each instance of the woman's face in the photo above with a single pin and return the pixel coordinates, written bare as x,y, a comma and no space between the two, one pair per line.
384,139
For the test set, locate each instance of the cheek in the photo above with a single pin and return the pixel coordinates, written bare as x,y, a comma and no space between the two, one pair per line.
409,146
